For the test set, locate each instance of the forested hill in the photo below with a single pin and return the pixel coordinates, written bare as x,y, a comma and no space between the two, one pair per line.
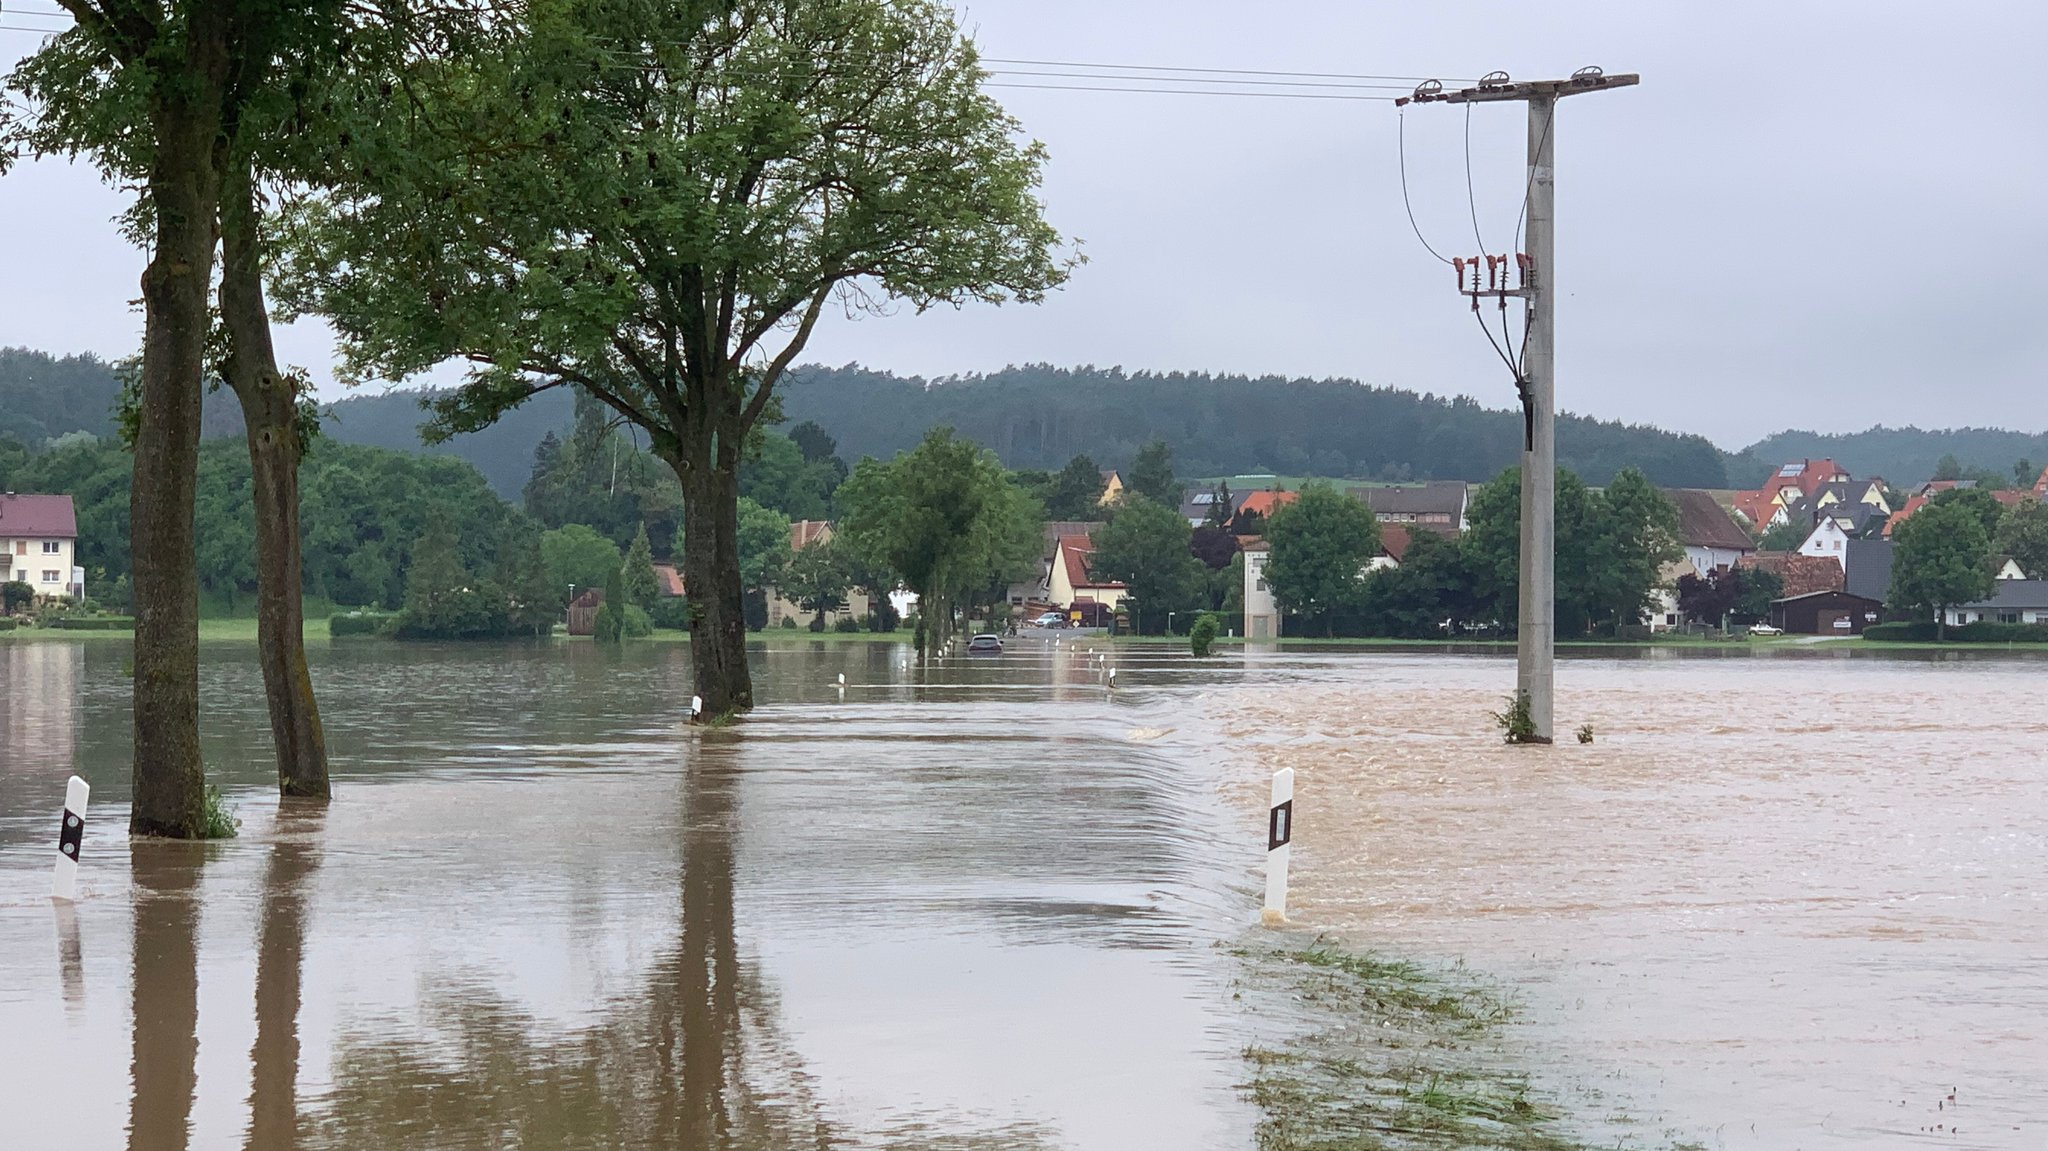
1900,455
1039,416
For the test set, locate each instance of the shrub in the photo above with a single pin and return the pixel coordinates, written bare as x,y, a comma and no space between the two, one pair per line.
221,822
92,623
817,623
672,612
361,622
1517,724
847,625
1983,631
1918,630
16,595
634,622
789,623
6,623
1202,636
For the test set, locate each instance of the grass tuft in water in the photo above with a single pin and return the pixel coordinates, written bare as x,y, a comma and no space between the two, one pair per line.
221,821
1381,1053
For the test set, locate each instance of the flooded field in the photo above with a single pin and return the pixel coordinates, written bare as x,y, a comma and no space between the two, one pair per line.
1787,902
1791,902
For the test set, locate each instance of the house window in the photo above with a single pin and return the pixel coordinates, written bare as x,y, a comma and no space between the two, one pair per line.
21,547
51,575
21,575
52,547
2008,617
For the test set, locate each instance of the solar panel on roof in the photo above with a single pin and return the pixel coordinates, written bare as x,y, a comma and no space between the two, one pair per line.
1791,469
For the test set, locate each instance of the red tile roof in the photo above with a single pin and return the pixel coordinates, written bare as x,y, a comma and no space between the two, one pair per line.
1394,540
1074,552
1266,503
1801,575
2041,485
1913,504
667,579
1704,523
37,517
804,533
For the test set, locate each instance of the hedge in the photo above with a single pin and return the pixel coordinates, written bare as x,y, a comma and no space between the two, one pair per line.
92,623
361,623
6,623
1983,631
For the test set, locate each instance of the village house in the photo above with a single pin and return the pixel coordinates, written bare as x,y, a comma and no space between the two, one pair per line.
803,534
1713,541
1802,479
1437,506
1798,574
2014,601
1070,582
1037,591
1830,612
39,539
1112,488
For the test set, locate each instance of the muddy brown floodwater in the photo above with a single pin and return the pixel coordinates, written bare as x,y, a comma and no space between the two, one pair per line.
1780,902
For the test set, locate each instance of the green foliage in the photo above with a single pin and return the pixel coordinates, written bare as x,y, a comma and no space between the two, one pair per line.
576,554
1517,724
1940,558
1634,536
610,624
601,478
7,623
1321,542
91,622
220,822
1074,492
16,596
443,599
1040,416
1145,547
671,612
1783,537
1739,595
946,520
1982,631
846,625
635,622
1428,596
817,578
2023,535
776,474
534,599
637,572
360,622
1585,733
764,545
1202,636
1151,476
43,397
1978,502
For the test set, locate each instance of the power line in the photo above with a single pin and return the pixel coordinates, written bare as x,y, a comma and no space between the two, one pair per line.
1471,201
1195,80
1405,202
1187,91
1410,80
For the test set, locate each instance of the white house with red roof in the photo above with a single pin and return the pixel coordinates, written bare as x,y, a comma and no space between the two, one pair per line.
39,536
1070,581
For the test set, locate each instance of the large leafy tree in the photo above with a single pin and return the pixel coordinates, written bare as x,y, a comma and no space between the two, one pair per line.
655,202
1940,558
1636,536
2023,535
817,579
1494,551
946,519
1075,491
1321,542
190,101
1145,547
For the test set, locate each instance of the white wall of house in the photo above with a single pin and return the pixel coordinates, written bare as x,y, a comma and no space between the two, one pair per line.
43,564
1957,616
1827,539
1706,560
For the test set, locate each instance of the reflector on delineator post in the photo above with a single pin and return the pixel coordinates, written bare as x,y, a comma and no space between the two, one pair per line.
1279,833
70,839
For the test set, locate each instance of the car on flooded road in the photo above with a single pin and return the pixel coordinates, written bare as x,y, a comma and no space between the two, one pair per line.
985,645
1050,619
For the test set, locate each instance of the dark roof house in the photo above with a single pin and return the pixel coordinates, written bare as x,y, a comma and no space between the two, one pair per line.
1704,523
1438,505
37,517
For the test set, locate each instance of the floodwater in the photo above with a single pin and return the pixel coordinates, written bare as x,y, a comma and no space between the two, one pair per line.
969,906
1779,902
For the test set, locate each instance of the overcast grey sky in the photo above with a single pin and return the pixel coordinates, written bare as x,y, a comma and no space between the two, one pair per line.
1821,215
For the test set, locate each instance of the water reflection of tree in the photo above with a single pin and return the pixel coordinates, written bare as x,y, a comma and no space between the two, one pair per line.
697,1062
280,948
166,994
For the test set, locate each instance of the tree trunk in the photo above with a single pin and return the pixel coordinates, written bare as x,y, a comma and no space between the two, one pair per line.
270,418
711,580
184,191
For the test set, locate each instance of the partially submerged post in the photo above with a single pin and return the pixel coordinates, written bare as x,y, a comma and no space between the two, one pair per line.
70,838
1279,833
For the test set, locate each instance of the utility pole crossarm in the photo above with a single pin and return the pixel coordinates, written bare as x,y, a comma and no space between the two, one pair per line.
1493,90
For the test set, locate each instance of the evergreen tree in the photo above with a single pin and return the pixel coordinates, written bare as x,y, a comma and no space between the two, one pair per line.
1151,475
610,625
640,586
1219,506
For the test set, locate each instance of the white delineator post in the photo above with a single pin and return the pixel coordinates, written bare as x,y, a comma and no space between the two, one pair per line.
1279,832
70,837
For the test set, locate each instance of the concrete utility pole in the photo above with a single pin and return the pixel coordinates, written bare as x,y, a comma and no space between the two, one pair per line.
1536,637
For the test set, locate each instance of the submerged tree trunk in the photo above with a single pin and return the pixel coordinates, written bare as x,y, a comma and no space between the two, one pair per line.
711,576
184,195
270,408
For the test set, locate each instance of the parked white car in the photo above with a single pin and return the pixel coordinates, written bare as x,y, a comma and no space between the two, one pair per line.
1765,629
